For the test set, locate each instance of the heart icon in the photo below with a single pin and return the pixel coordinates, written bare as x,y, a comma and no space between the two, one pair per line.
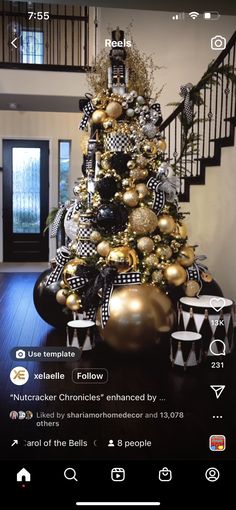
217,303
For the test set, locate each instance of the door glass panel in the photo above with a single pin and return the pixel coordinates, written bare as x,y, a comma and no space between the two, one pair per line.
26,190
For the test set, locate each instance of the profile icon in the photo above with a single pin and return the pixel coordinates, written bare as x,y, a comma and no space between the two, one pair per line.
28,415
13,415
110,442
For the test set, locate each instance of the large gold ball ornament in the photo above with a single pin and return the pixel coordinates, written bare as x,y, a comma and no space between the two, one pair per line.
186,256
131,198
63,285
123,258
114,109
161,144
95,237
175,274
73,302
138,174
105,161
142,190
61,296
157,276
191,288
99,116
71,267
138,314
145,244
151,260
143,220
164,252
166,223
103,248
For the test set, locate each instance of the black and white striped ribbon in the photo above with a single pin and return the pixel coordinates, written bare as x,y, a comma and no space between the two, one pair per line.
120,279
188,105
57,221
88,110
76,282
159,195
62,257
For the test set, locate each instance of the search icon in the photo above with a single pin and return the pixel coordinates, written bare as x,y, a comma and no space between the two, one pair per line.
70,474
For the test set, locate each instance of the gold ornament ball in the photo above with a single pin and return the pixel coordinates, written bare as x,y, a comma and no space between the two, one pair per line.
103,248
164,252
125,183
186,256
138,314
109,123
161,144
70,268
151,260
73,245
166,223
175,274
131,164
99,116
206,277
131,198
142,190
63,285
73,302
61,296
142,161
149,149
76,190
191,288
180,231
157,276
138,174
114,109
105,163
123,258
143,220
95,237
145,244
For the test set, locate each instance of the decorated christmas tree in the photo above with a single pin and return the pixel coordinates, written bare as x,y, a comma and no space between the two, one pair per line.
128,249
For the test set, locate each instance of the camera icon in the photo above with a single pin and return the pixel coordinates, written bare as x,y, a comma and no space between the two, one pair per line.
218,42
20,354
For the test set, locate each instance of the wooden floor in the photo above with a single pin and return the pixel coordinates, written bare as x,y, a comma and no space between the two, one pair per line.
20,325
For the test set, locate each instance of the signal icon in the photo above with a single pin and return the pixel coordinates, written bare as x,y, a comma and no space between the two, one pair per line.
194,14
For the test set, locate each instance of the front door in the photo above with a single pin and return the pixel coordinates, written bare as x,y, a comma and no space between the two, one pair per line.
25,200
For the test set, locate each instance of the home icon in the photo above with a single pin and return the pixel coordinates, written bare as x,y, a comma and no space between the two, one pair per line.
23,476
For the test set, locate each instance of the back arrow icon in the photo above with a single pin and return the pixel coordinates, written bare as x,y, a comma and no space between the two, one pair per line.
13,42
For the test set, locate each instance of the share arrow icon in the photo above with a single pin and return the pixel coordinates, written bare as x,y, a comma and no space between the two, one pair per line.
218,389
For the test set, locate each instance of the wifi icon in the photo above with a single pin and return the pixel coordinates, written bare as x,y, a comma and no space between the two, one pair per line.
194,14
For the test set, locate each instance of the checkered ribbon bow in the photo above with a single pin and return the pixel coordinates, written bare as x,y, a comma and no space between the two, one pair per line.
62,257
120,279
159,195
88,110
156,107
188,104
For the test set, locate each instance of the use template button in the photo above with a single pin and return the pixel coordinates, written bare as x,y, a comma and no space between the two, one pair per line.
90,375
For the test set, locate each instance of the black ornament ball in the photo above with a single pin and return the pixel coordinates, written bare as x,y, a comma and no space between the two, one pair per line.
111,217
119,162
45,302
106,187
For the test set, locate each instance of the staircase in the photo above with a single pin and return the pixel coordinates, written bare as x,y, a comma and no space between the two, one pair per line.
213,126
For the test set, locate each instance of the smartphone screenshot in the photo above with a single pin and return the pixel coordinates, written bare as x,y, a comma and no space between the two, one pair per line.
117,254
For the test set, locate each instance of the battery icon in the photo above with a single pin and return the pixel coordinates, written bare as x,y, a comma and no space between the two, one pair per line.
213,15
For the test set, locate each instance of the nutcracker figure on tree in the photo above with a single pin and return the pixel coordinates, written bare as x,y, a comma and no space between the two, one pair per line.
129,246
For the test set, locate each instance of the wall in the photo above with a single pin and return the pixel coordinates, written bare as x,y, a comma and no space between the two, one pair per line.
211,223
47,126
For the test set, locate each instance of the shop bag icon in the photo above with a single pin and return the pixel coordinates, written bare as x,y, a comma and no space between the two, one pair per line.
165,475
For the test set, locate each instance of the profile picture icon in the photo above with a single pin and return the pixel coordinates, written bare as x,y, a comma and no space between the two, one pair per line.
13,415
28,415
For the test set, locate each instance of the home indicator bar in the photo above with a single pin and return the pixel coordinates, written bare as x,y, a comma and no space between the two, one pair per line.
117,503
